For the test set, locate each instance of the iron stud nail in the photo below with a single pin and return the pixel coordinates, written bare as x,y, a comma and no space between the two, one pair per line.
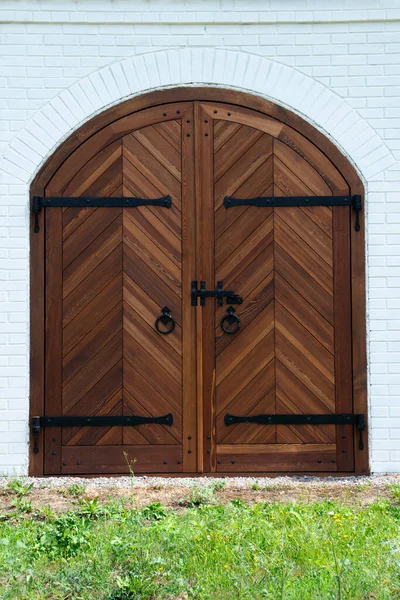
53,439
165,462
54,453
215,111
178,112
164,114
189,452
219,461
188,135
64,462
178,462
233,461
208,451
209,437
229,114
189,437
206,134
205,120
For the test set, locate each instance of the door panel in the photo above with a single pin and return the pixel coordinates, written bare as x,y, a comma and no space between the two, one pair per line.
110,271
285,264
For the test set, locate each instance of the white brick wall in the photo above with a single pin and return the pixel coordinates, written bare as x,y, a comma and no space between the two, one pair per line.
337,64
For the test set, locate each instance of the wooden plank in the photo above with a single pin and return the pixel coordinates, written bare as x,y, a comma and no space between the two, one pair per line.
112,460
91,314
286,237
150,400
304,370
234,177
303,283
189,350
342,312
153,372
136,241
103,170
152,432
155,171
260,356
53,338
246,341
152,285
306,314
153,343
37,335
93,255
92,372
276,457
305,343
205,272
301,168
234,149
91,343
149,311
160,148
249,251
89,230
92,286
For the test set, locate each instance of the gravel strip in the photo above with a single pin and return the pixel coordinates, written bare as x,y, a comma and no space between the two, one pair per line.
295,482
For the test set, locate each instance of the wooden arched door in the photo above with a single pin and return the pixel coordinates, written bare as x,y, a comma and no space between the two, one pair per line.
160,226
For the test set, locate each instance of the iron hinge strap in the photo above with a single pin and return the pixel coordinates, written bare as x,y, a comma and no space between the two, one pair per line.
39,202
299,419
286,201
106,421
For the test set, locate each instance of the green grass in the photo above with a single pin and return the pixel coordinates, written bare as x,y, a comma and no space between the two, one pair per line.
295,551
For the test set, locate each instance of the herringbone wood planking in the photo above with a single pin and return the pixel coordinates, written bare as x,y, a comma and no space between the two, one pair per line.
288,268
110,271
120,268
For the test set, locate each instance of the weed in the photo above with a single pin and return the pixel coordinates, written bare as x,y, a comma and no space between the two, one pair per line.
90,507
76,490
130,464
21,505
155,511
198,496
256,486
394,489
18,488
218,485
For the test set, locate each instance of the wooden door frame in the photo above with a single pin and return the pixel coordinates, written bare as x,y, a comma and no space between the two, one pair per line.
199,94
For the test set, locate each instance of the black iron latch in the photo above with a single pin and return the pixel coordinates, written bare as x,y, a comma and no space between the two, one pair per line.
106,421
284,201
299,419
39,202
219,293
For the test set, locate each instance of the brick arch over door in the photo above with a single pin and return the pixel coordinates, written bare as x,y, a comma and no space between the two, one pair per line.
178,142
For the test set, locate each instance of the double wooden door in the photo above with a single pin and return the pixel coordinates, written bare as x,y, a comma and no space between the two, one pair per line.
111,270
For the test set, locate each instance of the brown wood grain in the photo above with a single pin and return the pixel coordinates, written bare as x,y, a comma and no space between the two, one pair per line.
296,159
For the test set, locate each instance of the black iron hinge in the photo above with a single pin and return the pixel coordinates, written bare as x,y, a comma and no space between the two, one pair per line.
299,419
39,202
285,201
106,421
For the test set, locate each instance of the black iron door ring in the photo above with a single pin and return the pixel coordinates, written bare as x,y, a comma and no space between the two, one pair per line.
230,319
166,320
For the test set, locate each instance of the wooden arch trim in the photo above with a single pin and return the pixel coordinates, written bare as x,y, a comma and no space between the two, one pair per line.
200,94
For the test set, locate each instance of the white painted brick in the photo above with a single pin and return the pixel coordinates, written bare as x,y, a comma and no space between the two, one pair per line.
62,62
